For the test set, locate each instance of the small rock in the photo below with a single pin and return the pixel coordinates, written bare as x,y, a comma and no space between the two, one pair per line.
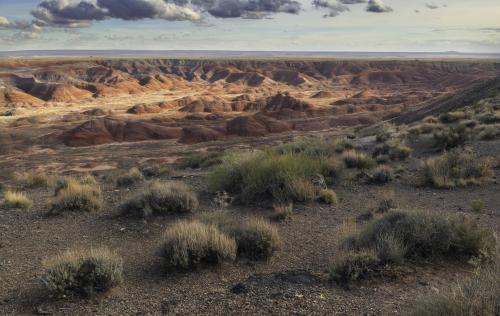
240,288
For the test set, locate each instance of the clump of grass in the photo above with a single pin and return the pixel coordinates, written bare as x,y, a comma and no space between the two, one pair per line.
155,170
32,179
456,169
354,159
328,196
77,198
83,272
282,212
203,160
394,151
162,198
382,175
451,117
188,244
343,145
256,238
131,177
451,137
18,200
332,169
309,146
66,181
475,295
354,266
476,205
263,175
387,202
488,132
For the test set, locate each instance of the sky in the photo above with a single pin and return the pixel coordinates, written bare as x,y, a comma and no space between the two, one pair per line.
471,26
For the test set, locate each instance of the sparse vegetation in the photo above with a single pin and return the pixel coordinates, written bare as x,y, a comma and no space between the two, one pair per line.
162,198
451,117
188,244
328,197
131,177
83,272
32,179
394,151
203,160
354,159
77,197
457,168
155,170
282,212
18,200
387,202
476,205
354,266
382,174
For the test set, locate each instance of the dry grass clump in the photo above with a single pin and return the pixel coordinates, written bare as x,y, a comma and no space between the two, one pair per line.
83,272
155,170
189,244
131,177
354,159
397,236
282,212
256,238
162,198
382,175
354,266
18,200
203,160
451,117
387,202
394,151
451,137
478,294
488,132
66,181
77,197
328,196
476,205
32,179
456,169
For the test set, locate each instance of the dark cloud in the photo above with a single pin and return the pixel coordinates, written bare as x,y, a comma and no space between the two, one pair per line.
253,9
432,6
352,1
377,6
335,7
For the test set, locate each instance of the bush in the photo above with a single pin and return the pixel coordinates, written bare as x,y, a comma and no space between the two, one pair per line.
343,145
133,176
17,200
488,132
475,295
281,177
382,174
476,205
452,137
354,266
83,272
162,198
77,197
332,169
202,160
315,147
189,244
328,196
353,159
155,170
387,203
31,180
282,212
457,168
257,239
394,151
423,235
451,117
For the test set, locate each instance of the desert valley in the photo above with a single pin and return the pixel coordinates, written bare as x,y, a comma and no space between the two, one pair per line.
249,186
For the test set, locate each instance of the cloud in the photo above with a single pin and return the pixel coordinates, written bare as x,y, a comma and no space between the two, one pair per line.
334,7
253,9
432,6
377,6
4,22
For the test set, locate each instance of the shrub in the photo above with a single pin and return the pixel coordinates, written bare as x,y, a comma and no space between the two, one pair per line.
343,145
155,170
431,119
32,180
17,200
133,176
332,169
282,212
83,272
422,235
162,198
310,146
488,132
257,239
202,160
354,266
382,174
262,175
189,244
476,205
475,295
328,196
457,168
64,182
451,117
353,159
387,202
76,197
400,152
451,137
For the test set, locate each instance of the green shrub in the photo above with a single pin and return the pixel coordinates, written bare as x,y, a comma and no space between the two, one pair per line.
257,239
262,175
203,160
31,180
131,177
488,132
328,196
77,198
394,151
83,272
343,145
354,266
155,170
451,117
457,168
475,295
17,200
162,198
382,175
476,205
452,137
316,147
189,244
353,159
